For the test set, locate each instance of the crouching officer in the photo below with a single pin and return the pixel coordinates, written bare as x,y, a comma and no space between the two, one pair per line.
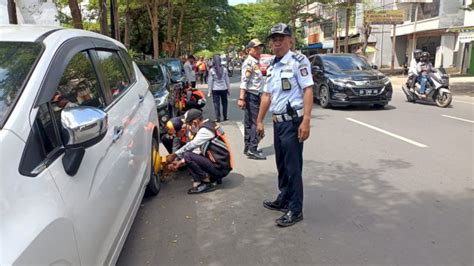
289,96
175,136
250,90
215,161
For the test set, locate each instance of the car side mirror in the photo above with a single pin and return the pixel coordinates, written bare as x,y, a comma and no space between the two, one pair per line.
375,67
82,127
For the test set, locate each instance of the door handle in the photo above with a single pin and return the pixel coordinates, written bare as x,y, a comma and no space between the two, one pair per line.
141,98
118,132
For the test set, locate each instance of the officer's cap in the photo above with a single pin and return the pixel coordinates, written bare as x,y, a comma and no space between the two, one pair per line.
191,115
254,43
281,29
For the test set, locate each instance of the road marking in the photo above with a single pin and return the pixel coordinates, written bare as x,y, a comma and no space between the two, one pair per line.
388,133
456,101
457,118
241,127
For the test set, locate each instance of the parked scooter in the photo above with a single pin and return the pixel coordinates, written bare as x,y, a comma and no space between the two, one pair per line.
437,89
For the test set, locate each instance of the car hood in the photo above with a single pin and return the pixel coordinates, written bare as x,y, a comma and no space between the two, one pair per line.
357,74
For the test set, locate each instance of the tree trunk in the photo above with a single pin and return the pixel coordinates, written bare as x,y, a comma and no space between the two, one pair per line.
103,17
76,14
180,31
126,33
346,40
12,17
293,28
116,20
169,26
367,31
152,8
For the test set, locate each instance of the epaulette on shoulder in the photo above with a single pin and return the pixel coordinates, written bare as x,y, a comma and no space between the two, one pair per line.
298,57
271,61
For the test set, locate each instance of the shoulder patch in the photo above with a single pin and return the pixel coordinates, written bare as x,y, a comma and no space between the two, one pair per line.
298,57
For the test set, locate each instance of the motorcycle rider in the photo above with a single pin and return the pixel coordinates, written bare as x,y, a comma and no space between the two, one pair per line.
412,74
423,69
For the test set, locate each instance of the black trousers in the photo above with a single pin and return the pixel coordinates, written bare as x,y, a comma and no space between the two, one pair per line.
200,167
218,97
252,106
289,161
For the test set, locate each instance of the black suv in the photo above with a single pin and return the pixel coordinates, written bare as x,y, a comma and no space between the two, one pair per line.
348,79
177,70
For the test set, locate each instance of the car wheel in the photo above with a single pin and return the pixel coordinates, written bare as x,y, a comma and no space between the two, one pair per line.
324,97
154,185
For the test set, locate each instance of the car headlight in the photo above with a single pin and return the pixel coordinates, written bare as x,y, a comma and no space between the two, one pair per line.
385,80
342,82
162,99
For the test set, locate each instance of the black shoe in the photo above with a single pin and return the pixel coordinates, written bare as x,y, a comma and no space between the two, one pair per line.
274,206
202,188
219,181
225,118
246,149
289,219
255,155
218,120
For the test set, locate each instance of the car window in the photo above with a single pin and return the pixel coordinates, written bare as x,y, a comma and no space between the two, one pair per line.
342,63
128,65
17,60
78,85
114,72
153,73
175,65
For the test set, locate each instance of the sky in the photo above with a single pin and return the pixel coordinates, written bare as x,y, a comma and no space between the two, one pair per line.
236,2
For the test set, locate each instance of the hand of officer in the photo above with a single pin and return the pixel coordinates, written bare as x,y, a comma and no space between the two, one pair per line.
241,103
303,131
170,158
260,129
228,92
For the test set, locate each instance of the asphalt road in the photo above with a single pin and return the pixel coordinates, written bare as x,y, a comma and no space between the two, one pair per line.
382,187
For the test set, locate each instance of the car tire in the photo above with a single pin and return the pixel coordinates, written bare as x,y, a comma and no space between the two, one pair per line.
324,97
154,185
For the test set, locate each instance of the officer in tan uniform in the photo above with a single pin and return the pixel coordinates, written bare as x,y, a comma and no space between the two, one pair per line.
250,91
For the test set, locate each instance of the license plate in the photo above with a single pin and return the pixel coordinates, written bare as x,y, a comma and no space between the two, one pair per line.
368,92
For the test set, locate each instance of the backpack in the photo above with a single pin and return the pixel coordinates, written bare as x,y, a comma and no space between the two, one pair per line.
218,149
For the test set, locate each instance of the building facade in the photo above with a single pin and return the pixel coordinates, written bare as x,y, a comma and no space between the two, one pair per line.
42,12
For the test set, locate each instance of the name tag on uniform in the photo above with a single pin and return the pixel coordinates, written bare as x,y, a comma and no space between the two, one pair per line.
285,80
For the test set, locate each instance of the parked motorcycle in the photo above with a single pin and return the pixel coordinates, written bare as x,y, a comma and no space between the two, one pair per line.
437,90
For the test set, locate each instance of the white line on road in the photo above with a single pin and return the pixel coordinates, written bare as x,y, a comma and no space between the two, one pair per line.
457,118
388,133
456,101
241,127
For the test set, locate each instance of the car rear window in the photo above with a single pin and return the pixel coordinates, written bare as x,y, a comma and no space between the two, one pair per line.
17,60
153,73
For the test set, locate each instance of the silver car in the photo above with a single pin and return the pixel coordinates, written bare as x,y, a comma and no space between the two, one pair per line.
79,146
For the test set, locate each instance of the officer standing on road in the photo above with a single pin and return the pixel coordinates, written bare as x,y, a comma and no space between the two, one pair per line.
250,90
289,96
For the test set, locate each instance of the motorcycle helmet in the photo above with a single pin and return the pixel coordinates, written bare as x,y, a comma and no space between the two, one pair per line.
417,54
425,56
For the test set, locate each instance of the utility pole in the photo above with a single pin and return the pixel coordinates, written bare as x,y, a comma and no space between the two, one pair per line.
346,40
334,49
394,38
414,29
381,43
12,17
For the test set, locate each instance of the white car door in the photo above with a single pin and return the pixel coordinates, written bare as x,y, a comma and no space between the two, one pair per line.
97,195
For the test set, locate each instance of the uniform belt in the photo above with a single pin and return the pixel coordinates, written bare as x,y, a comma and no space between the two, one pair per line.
286,117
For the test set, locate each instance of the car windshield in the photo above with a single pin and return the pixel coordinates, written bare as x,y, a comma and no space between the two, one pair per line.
344,63
153,73
16,61
175,65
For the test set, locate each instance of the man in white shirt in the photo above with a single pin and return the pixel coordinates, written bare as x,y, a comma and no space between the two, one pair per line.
189,72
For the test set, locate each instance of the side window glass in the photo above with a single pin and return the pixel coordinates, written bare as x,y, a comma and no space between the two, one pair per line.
114,71
128,65
78,86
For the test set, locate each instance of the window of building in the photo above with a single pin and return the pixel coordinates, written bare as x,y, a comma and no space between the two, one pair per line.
425,10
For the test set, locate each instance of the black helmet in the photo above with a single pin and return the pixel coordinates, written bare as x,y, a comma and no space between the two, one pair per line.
425,56
417,54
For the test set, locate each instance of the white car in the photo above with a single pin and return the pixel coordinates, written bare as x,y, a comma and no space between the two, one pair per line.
78,146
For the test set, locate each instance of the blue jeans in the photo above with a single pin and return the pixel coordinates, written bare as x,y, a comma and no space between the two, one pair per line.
423,80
